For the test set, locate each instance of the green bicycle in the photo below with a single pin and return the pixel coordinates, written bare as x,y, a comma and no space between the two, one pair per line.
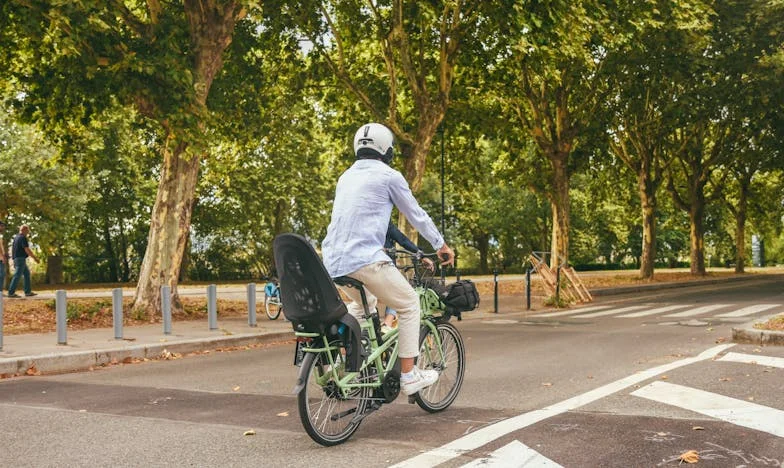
349,370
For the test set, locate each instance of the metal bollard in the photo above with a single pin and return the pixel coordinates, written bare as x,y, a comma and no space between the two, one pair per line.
528,289
1,314
166,309
558,286
117,313
61,317
212,306
251,304
495,291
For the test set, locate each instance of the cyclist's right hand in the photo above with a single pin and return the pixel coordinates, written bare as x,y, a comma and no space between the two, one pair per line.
446,254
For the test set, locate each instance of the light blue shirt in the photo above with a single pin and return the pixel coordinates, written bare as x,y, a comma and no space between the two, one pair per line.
363,204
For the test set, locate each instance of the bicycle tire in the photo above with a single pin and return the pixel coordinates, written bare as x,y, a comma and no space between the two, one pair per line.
441,394
319,405
272,308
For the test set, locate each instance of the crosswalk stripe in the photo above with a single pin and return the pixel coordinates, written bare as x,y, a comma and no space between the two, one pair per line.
699,310
572,311
731,410
514,455
769,361
753,309
658,310
612,311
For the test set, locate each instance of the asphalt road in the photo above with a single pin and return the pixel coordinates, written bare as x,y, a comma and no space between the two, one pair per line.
633,382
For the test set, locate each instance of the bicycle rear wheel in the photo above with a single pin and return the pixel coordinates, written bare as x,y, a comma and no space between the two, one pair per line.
272,307
449,362
328,417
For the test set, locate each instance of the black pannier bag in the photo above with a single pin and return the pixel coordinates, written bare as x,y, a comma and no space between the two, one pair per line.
460,296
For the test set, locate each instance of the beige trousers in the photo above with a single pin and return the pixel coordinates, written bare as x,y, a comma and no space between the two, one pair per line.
384,282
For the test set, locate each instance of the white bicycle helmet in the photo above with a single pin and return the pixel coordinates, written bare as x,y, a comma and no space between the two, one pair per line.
374,140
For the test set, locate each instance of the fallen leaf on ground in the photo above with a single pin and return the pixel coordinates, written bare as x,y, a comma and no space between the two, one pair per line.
721,340
236,388
664,377
249,432
725,379
690,457
751,398
33,371
756,350
546,384
697,428
283,414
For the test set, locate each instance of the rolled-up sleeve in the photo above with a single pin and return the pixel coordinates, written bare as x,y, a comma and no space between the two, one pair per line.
402,197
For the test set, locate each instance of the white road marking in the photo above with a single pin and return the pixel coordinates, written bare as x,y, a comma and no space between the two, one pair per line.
769,361
572,311
514,455
699,310
731,410
492,432
612,312
658,310
753,309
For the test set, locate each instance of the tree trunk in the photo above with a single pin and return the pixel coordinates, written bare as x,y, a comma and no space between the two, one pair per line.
648,206
740,231
697,236
482,243
414,165
169,229
107,239
559,203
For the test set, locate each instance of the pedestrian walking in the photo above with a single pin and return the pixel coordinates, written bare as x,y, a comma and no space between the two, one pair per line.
20,250
3,257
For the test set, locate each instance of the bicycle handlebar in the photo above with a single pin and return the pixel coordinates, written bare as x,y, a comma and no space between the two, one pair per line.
408,253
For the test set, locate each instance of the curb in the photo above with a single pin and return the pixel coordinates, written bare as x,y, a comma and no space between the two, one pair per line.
684,284
749,335
53,363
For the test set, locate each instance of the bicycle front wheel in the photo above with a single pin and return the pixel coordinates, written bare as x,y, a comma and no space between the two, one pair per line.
449,361
328,417
272,306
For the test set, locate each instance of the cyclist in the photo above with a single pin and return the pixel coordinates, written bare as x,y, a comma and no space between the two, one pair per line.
394,236
364,197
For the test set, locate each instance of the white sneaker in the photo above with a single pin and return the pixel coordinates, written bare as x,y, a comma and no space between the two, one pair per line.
419,379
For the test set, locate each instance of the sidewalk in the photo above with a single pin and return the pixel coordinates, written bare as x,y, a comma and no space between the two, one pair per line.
85,349
96,347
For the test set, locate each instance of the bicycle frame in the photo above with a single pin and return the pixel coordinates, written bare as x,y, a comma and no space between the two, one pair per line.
429,303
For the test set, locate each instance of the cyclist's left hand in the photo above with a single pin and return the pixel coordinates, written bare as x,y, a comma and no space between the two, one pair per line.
428,263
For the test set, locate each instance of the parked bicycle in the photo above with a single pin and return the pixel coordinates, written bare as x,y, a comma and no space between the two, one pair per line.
272,303
348,369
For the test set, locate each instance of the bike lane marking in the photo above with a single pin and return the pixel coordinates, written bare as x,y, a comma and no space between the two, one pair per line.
752,359
514,455
732,410
490,433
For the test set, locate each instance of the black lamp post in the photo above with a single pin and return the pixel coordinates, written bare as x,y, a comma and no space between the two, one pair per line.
443,221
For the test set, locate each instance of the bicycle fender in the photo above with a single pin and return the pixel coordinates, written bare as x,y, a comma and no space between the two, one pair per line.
301,379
